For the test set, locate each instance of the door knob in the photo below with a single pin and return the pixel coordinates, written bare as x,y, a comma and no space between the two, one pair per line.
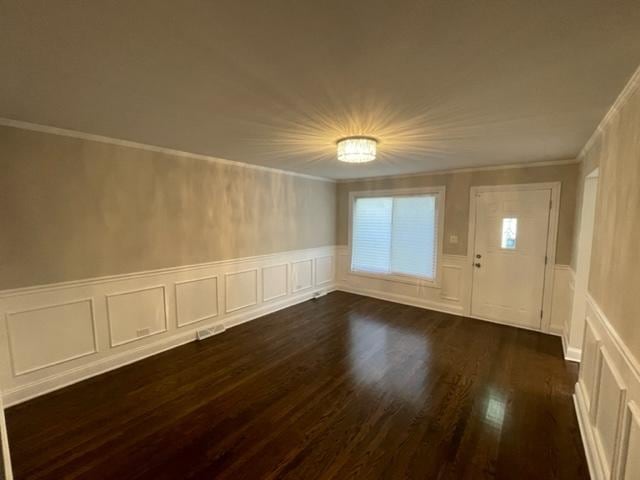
477,265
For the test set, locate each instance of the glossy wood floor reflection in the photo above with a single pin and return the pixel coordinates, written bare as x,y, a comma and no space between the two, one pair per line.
342,387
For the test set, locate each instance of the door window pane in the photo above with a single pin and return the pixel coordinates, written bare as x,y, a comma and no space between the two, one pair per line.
509,233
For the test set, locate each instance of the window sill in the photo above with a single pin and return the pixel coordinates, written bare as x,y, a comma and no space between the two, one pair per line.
406,279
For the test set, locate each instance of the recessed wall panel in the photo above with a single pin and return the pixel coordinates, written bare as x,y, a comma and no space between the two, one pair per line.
49,335
611,393
136,314
241,290
451,281
631,459
196,300
589,365
325,267
302,275
274,282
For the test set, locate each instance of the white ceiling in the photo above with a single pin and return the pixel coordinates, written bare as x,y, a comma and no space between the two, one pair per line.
442,84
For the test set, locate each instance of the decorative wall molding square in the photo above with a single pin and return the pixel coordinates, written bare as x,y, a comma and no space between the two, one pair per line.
235,287
118,310
25,326
190,293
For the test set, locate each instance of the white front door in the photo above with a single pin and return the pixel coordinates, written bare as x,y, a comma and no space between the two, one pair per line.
509,255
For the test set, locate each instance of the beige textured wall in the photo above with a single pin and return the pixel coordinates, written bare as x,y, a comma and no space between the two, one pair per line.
614,278
72,209
456,218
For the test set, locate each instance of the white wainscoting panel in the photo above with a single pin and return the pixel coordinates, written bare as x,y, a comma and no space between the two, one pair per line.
630,458
48,335
606,398
136,314
452,282
450,296
275,281
561,299
302,274
325,270
343,264
609,409
196,300
590,372
55,335
241,289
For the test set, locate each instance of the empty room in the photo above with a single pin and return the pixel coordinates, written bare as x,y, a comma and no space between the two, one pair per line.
320,239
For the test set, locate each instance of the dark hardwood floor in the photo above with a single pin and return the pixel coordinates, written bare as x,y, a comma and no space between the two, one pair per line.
342,387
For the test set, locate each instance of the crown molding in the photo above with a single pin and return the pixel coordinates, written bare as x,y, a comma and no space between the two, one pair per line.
549,163
627,91
7,122
179,153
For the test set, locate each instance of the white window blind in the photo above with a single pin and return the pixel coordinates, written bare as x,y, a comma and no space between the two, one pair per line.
395,235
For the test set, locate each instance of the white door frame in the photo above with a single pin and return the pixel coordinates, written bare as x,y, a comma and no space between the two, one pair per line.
552,237
573,333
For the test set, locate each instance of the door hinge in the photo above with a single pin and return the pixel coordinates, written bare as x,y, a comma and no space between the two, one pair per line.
541,313
550,204
546,259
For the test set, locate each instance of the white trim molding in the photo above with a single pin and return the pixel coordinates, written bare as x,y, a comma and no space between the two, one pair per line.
546,163
561,308
627,91
606,399
147,323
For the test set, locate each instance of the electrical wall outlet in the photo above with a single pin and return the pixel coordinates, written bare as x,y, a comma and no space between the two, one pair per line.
143,332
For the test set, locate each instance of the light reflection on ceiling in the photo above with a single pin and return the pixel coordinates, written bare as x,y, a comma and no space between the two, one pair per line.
441,84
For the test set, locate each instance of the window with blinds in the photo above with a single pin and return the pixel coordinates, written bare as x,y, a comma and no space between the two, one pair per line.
395,235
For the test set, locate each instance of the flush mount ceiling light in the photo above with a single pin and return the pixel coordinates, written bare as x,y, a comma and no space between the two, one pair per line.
357,149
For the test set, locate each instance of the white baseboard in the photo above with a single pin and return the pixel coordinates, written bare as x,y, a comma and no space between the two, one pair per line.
404,300
174,303
570,353
429,305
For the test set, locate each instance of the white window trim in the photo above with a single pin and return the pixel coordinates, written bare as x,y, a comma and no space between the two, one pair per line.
408,279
